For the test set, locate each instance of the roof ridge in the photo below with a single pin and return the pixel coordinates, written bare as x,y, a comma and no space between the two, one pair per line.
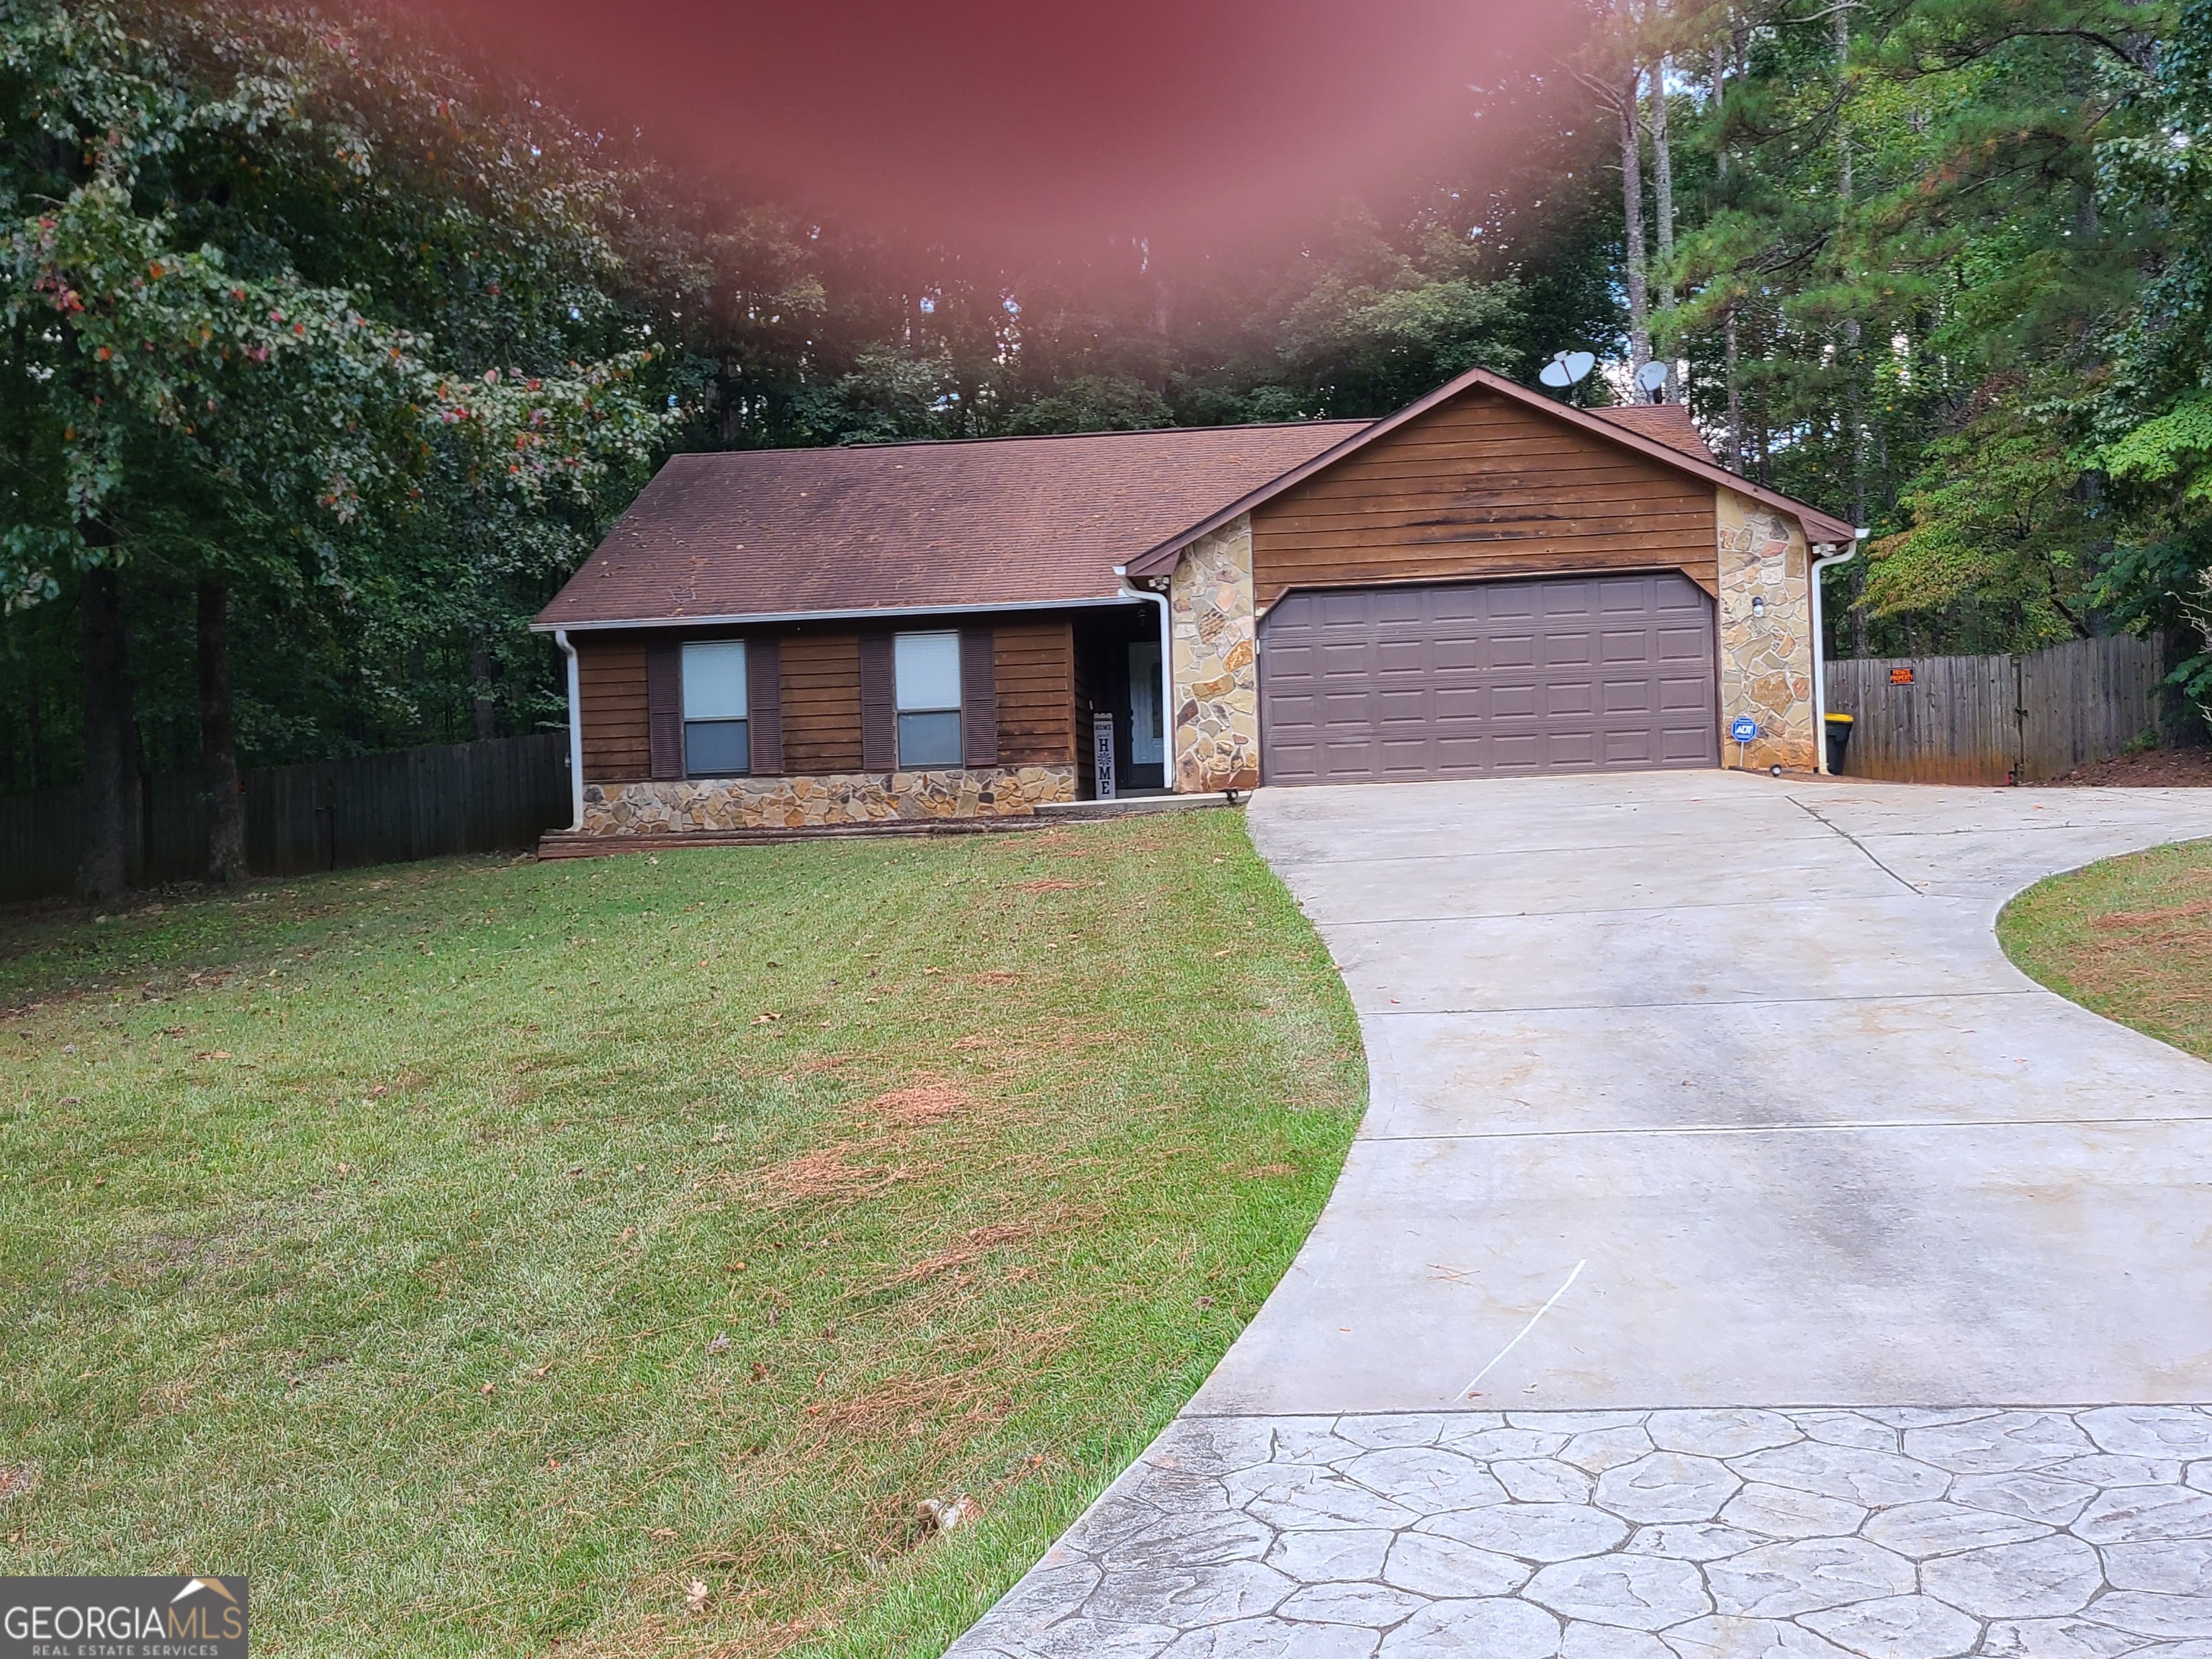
1029,437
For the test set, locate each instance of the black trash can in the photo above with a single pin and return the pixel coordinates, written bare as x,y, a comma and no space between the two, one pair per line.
1839,740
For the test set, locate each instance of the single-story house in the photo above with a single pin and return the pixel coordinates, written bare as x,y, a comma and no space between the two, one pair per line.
1487,581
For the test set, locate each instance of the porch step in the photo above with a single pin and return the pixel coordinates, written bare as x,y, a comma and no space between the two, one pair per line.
580,844
1061,811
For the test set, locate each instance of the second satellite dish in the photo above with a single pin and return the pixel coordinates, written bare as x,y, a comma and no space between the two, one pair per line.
1567,368
1652,376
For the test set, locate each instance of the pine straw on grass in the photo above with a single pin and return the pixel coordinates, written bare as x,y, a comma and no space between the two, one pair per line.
2130,937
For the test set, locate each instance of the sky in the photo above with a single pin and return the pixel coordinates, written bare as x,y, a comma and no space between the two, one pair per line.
1041,121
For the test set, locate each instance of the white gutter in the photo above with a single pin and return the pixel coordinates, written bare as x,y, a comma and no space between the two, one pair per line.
1820,653
755,618
1167,676
576,730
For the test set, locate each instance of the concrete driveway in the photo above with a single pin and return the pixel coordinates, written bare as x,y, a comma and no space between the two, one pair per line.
1725,1208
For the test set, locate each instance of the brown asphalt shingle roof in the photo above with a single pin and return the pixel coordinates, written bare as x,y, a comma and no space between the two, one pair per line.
1670,423
1001,521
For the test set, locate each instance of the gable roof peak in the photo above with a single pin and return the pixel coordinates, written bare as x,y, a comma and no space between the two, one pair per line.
1820,527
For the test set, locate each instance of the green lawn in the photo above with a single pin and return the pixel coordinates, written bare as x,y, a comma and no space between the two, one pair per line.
481,1254
2130,937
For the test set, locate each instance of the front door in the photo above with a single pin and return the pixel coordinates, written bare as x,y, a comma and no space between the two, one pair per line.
1144,765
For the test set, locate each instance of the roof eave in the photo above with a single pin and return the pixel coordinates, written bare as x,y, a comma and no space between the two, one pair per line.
545,625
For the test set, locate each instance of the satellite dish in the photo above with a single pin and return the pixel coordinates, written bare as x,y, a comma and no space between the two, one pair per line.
1566,368
1652,376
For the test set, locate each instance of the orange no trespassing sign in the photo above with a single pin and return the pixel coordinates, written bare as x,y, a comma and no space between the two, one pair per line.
1900,676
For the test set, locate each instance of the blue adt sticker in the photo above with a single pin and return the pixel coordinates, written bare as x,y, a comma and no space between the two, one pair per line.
1743,728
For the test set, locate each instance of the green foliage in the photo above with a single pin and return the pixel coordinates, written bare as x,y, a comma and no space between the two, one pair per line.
295,306
2154,411
2174,448
1963,248
1998,520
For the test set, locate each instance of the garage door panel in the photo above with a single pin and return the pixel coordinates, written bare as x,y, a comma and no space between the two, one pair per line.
1466,679
1617,648
1573,698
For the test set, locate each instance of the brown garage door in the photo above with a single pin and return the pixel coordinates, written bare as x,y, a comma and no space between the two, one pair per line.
1585,674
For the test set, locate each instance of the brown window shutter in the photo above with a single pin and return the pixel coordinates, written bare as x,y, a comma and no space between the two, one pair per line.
979,697
878,705
764,704
664,707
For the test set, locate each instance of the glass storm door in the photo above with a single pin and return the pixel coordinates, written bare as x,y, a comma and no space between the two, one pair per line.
1146,738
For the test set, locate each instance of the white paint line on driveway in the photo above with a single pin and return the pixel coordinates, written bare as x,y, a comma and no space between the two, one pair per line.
1547,1307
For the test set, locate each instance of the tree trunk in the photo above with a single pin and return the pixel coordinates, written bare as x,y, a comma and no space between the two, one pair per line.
1734,391
110,757
1854,336
1719,94
2085,193
1730,346
1631,208
1840,27
226,793
35,735
1663,187
483,706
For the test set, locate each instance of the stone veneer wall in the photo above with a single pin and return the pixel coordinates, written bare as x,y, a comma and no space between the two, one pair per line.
842,798
1213,638
1766,662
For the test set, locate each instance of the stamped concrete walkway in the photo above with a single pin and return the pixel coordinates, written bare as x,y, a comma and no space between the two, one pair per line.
1739,1257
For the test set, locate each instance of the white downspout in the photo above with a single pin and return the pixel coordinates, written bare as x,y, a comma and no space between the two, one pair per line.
576,730
1820,653
1167,676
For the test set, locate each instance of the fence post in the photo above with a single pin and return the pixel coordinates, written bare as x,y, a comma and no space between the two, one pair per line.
2018,717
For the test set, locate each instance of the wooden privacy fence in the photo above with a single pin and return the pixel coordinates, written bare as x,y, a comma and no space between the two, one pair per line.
324,815
2019,719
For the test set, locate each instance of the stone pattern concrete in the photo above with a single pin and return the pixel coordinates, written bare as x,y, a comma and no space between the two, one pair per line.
781,803
1766,660
1214,635
1729,1534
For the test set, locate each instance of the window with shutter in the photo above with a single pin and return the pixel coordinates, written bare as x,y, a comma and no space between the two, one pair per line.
717,704
925,676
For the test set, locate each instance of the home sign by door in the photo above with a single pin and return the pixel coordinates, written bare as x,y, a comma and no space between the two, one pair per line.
1102,755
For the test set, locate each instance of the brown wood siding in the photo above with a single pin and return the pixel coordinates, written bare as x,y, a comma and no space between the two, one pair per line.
1481,487
610,682
1034,669
821,703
